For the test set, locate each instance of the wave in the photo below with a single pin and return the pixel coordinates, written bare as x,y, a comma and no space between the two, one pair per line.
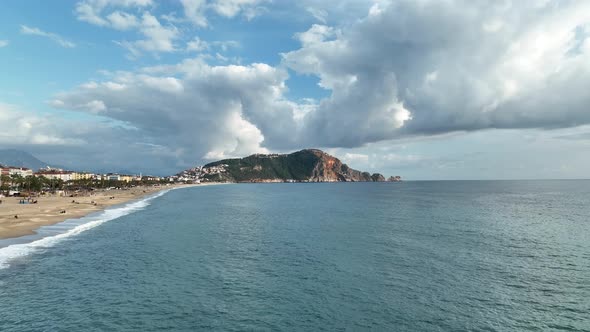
72,227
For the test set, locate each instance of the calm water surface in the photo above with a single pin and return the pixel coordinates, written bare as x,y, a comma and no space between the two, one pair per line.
412,256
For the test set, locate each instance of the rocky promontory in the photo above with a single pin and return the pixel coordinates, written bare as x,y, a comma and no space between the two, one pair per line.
310,165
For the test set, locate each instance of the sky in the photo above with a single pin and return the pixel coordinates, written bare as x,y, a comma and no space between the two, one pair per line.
419,88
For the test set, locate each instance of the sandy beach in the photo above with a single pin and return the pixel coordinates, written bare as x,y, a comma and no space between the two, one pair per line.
50,209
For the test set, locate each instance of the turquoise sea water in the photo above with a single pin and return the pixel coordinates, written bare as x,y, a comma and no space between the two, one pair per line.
411,256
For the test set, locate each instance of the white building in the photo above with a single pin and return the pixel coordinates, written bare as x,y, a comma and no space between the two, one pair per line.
22,171
56,175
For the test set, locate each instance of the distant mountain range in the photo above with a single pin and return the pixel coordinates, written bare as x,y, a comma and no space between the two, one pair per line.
310,165
17,158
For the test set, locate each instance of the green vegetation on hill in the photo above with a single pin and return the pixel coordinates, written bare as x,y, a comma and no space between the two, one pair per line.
305,165
296,166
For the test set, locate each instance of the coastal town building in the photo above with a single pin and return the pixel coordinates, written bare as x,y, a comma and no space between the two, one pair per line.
113,177
11,170
55,174
118,177
58,174
82,176
150,178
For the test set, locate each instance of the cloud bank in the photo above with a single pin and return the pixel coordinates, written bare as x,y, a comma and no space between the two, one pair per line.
429,67
209,111
404,69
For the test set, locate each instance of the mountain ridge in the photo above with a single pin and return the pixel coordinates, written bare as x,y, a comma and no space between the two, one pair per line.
18,158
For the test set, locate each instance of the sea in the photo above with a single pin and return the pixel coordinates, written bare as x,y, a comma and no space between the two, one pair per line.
408,256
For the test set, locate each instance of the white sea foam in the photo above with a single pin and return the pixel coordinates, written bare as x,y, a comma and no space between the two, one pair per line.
9,253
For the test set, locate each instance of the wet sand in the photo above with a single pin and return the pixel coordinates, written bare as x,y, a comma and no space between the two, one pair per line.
48,209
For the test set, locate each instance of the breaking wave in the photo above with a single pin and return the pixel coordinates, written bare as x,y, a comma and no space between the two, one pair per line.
71,227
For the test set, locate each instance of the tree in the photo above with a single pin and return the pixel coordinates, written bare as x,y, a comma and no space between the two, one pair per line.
16,181
4,182
35,183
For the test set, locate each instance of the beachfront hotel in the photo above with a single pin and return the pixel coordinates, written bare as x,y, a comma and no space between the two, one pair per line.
11,170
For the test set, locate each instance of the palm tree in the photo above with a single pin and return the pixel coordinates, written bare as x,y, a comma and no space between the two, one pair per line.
16,181
4,182
35,183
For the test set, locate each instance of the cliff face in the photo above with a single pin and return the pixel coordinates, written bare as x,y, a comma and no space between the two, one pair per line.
303,166
331,169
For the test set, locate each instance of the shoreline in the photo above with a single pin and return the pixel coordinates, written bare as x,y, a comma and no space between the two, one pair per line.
49,210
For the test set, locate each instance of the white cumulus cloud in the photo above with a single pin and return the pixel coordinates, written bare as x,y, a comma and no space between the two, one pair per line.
427,67
207,110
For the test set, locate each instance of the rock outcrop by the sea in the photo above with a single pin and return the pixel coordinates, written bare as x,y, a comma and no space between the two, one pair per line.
310,165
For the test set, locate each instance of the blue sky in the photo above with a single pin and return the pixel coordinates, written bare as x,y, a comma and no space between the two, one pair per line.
424,89
41,66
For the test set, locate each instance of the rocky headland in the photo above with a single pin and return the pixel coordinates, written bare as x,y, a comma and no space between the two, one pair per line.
310,165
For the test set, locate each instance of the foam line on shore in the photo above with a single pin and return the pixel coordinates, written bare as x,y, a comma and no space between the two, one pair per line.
14,251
